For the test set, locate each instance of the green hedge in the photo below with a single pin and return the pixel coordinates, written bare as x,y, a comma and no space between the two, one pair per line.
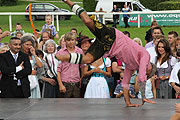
151,4
89,5
169,5
8,2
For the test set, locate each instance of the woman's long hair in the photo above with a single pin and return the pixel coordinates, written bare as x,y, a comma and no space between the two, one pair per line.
167,50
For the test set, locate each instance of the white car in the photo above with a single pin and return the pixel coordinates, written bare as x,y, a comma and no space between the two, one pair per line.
107,6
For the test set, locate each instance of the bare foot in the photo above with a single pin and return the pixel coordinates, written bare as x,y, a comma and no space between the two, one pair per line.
133,105
148,101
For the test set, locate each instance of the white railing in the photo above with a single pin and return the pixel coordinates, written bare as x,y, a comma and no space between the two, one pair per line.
10,14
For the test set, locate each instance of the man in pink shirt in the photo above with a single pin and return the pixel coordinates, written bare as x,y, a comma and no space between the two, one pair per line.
68,75
116,44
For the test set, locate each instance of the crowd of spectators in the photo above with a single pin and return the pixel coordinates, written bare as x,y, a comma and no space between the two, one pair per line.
50,78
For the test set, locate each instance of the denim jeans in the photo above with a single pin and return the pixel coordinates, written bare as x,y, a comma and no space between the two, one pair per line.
115,20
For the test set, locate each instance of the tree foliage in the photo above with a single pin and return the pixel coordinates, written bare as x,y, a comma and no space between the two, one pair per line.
169,5
151,4
89,5
8,2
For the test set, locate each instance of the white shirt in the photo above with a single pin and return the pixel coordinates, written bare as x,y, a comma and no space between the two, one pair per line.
174,72
153,54
18,68
53,63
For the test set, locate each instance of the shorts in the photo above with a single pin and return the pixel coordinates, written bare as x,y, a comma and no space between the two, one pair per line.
118,89
105,37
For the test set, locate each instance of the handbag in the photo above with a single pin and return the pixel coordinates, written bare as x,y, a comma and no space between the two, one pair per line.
32,78
33,81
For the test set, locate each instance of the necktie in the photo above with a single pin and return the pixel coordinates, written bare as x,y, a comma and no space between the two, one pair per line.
15,57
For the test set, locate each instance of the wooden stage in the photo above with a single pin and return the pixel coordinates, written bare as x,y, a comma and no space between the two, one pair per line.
84,109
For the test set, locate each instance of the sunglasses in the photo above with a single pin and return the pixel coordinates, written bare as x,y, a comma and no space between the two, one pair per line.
121,77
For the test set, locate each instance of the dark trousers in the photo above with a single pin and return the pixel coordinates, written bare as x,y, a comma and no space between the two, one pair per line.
19,92
72,90
110,82
126,22
115,20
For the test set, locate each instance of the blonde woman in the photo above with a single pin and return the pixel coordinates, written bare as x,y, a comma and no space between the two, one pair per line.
138,41
4,49
61,43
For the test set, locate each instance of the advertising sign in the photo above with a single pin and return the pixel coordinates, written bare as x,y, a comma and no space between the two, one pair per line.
164,19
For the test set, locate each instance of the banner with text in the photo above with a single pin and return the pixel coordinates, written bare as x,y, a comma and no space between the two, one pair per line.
165,19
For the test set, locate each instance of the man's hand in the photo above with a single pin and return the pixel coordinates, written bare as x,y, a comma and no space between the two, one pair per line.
177,107
6,33
32,50
62,89
162,77
22,65
33,72
177,89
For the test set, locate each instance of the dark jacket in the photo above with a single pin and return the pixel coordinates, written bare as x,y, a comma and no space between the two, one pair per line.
148,36
8,85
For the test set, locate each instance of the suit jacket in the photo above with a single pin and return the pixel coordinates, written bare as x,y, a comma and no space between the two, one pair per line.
148,36
8,66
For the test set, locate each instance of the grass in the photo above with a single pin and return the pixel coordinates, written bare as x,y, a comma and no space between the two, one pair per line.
60,0
66,25
21,5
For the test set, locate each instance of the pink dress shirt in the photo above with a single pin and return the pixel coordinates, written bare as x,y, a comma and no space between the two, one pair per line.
133,55
69,72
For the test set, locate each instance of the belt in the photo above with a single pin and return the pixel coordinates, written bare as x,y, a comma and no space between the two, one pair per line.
72,83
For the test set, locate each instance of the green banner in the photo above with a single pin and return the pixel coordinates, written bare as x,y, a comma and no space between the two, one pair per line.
164,19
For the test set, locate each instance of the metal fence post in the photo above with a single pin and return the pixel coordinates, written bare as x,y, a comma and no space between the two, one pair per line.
53,19
57,22
151,17
139,20
10,23
103,20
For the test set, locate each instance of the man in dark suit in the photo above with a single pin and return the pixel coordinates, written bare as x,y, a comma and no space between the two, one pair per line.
15,67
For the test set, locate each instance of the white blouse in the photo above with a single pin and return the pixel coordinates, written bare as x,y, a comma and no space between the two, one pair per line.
174,72
165,64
